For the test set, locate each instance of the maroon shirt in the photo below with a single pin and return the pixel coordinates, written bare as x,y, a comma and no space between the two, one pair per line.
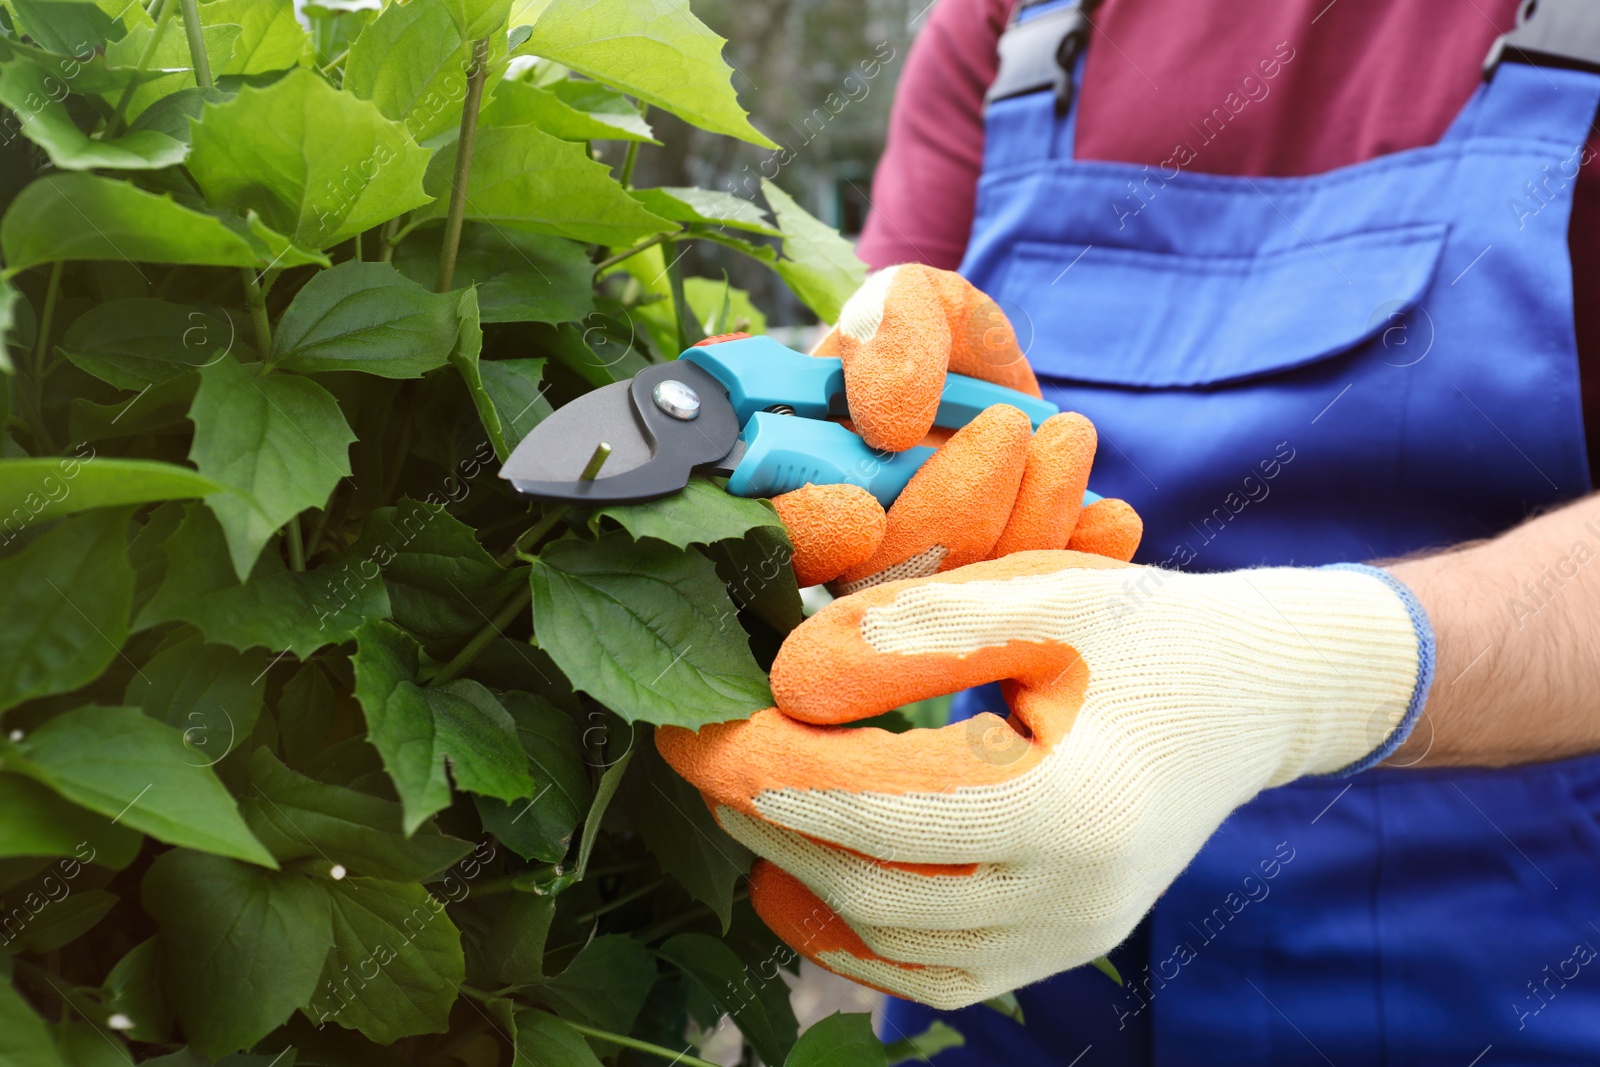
1367,77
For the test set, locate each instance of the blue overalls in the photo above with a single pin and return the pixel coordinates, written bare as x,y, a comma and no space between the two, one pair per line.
1346,366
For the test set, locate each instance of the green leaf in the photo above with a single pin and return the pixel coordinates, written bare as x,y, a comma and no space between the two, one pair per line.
520,174
171,113
1006,1004
86,1044
610,780
441,581
669,814
604,986
521,275
85,216
69,27
520,103
31,92
819,265
701,513
241,947
35,490
516,389
24,1037
412,61
545,1041
655,50
414,729
541,828
122,763
271,40
513,945
210,692
705,207
645,629
170,72
405,956
37,822
1106,967
67,596
366,317
63,921
601,103
317,164
137,343
758,1004
300,818
920,1047
133,988
276,608
723,308
840,1040
280,441
162,408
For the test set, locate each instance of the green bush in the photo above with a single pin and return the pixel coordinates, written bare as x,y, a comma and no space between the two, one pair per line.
289,770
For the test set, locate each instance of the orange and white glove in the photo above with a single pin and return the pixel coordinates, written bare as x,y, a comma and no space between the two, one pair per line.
953,865
994,487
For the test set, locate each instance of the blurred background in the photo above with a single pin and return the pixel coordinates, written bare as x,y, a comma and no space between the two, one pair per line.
817,76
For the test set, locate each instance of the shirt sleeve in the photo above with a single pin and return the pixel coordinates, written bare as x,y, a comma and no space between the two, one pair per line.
926,182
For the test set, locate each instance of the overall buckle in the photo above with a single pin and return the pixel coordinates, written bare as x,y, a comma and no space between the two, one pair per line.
1550,33
1040,53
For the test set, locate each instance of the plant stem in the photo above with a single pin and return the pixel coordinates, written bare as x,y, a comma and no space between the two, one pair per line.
611,261
640,1046
357,254
335,61
41,344
257,300
163,16
386,240
297,547
612,905
531,535
458,191
480,640
197,43
629,158
682,919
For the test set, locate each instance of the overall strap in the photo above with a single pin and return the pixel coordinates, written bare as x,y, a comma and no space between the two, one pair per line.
1041,67
1542,79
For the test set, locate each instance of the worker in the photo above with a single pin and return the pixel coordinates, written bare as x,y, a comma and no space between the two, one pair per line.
1316,769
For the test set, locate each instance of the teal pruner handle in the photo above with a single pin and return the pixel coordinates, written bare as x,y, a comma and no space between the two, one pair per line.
784,453
761,374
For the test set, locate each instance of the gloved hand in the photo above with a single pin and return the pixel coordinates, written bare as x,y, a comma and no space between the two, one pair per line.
994,487
953,865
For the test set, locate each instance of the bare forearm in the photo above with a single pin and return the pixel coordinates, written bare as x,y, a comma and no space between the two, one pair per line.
1518,627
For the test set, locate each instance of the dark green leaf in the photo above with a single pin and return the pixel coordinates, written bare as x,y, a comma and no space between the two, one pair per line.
39,823
281,442
513,945
33,490
545,1041
70,27
366,317
133,988
521,174
122,763
541,828
86,1044
300,818
416,729
758,1002
819,265
610,781
24,1037
241,947
520,103
136,343
921,1047
759,577
705,207
442,583
840,1040
521,275
396,962
85,216
701,513
655,50
605,986
669,814
39,102
61,921
317,164
516,389
66,600
645,629
276,609
210,692
161,408
412,62
171,114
